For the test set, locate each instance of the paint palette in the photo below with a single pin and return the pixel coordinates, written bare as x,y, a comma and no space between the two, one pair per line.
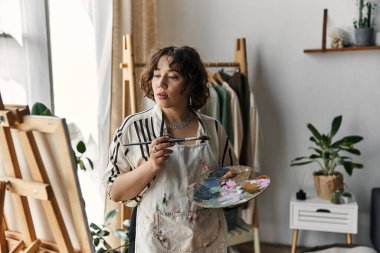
226,186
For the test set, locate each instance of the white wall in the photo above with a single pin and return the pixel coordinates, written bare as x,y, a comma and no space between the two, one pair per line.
292,89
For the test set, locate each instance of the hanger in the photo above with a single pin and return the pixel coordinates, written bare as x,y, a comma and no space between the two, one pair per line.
218,78
211,79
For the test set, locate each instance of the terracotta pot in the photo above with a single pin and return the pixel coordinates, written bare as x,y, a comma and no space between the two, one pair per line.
326,185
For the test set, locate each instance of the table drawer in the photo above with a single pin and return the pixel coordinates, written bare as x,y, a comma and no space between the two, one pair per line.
331,219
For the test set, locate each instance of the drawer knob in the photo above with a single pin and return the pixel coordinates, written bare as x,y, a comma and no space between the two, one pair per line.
323,211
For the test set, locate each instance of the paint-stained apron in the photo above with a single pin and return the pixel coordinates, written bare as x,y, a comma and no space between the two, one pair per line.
167,221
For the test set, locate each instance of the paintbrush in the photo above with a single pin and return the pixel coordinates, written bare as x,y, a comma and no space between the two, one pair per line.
200,138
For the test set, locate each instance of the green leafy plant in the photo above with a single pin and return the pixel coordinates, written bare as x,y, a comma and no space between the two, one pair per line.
41,109
100,233
329,153
366,9
81,148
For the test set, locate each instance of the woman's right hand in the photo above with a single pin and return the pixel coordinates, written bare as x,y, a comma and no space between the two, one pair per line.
159,152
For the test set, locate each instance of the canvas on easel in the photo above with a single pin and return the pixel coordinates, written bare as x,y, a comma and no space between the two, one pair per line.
41,206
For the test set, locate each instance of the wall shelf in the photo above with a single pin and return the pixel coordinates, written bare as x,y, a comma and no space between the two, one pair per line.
323,49
345,49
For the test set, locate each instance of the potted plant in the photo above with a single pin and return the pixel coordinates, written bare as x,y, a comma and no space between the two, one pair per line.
364,23
329,154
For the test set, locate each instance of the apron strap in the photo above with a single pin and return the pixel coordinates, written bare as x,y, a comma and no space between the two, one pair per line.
132,232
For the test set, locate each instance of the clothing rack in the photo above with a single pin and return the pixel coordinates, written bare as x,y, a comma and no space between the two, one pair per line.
128,66
44,212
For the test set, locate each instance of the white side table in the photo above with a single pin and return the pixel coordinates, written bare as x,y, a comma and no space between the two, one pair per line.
321,215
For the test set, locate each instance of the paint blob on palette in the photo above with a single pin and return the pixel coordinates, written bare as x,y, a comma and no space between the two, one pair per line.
226,186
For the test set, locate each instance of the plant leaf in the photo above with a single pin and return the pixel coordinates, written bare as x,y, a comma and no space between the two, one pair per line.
90,162
314,156
352,151
348,167
301,163
351,140
40,109
312,139
335,125
94,226
299,158
357,165
96,241
108,247
337,144
81,147
110,215
104,233
81,165
121,233
314,131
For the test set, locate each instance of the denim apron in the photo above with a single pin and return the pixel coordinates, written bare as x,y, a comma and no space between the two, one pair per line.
167,221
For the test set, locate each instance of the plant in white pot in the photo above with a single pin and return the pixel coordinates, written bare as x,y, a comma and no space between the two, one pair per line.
364,23
329,154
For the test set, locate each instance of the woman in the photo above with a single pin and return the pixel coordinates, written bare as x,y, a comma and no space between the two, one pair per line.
155,177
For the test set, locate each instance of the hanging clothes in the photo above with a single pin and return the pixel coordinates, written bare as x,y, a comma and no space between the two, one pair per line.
236,119
253,149
250,147
239,83
212,106
225,112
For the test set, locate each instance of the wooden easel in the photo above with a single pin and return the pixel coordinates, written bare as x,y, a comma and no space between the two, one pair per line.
30,180
129,94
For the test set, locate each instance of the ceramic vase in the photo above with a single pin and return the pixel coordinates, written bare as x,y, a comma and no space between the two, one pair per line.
364,37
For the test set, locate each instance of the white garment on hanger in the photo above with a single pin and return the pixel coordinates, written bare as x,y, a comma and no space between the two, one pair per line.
253,150
237,122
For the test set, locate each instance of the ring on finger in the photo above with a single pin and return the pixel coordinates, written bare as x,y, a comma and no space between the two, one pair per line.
155,148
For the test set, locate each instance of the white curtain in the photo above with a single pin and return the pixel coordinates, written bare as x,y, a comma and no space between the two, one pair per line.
75,87
103,35
25,75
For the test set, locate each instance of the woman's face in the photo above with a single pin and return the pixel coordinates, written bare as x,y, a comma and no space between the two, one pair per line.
167,85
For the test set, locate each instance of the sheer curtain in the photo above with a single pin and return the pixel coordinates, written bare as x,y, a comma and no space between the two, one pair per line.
25,75
81,60
60,55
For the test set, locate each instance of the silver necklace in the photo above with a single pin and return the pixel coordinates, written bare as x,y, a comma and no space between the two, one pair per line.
181,124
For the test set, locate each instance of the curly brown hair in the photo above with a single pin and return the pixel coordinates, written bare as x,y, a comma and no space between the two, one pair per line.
187,62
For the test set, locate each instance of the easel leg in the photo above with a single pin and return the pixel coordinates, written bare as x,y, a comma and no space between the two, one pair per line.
349,238
255,224
256,240
3,244
294,241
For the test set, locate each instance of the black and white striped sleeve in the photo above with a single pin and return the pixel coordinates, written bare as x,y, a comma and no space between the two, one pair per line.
117,161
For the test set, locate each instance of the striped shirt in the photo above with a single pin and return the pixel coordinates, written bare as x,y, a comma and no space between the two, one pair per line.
148,125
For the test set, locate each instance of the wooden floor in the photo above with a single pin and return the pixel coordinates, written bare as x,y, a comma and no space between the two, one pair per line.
265,248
